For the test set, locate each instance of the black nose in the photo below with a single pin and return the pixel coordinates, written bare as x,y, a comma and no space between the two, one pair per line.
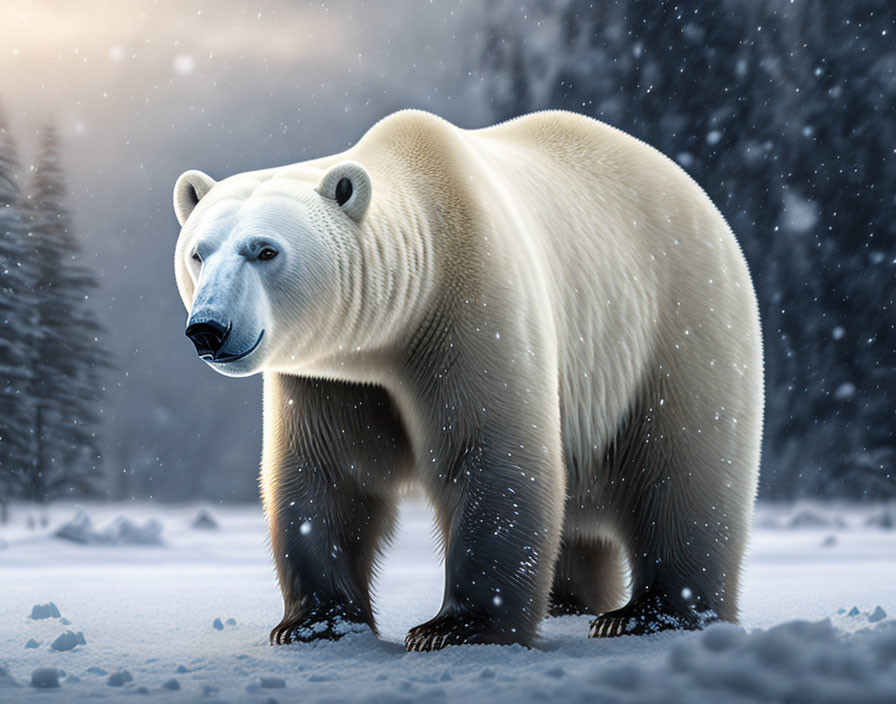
208,336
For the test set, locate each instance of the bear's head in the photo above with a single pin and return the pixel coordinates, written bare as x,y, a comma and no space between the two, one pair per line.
261,262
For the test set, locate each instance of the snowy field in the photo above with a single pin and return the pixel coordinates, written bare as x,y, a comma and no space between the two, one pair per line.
183,615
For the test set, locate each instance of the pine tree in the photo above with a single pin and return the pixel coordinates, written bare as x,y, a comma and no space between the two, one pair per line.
16,323
66,365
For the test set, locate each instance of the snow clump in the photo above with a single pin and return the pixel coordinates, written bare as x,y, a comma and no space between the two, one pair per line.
121,531
45,678
68,641
42,611
119,679
204,521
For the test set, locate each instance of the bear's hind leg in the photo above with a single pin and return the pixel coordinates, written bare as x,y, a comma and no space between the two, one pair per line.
588,579
669,592
683,515
682,568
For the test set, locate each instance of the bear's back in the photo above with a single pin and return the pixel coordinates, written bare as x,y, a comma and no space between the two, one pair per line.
641,266
628,253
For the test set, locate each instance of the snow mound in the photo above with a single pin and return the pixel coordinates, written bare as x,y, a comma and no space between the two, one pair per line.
120,531
796,661
218,624
45,678
68,641
266,682
6,679
125,532
204,521
42,611
808,518
877,615
883,520
272,683
120,678
79,529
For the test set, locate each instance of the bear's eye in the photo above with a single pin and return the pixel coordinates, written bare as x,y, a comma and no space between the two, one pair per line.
267,254
196,257
343,191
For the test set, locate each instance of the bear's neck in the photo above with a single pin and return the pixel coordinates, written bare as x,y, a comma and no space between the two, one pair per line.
387,290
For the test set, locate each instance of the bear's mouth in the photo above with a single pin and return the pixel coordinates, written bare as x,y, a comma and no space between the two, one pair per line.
229,358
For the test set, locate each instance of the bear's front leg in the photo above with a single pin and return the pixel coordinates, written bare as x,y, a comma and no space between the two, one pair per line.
332,455
494,473
498,506
324,558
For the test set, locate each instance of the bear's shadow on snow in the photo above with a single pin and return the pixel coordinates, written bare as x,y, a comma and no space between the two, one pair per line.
569,643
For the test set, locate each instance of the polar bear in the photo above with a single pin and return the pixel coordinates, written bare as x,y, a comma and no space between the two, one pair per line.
544,324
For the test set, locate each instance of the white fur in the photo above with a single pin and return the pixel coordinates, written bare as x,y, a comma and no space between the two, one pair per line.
584,267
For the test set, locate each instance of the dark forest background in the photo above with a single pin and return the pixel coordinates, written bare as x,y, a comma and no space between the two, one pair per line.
785,113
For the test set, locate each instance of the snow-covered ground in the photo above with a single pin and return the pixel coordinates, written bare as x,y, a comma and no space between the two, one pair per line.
147,613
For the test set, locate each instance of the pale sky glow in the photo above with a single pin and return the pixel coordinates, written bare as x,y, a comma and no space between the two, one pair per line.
52,51
41,29
143,90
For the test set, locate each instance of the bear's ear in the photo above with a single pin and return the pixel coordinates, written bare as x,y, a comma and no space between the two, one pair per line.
348,183
188,191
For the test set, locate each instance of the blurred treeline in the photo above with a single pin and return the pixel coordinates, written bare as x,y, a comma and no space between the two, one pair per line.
785,113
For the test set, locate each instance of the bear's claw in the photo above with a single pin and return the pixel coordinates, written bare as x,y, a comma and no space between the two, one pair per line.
435,635
421,643
457,629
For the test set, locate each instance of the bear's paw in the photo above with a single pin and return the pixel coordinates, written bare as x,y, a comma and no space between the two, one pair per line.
649,613
461,628
313,626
